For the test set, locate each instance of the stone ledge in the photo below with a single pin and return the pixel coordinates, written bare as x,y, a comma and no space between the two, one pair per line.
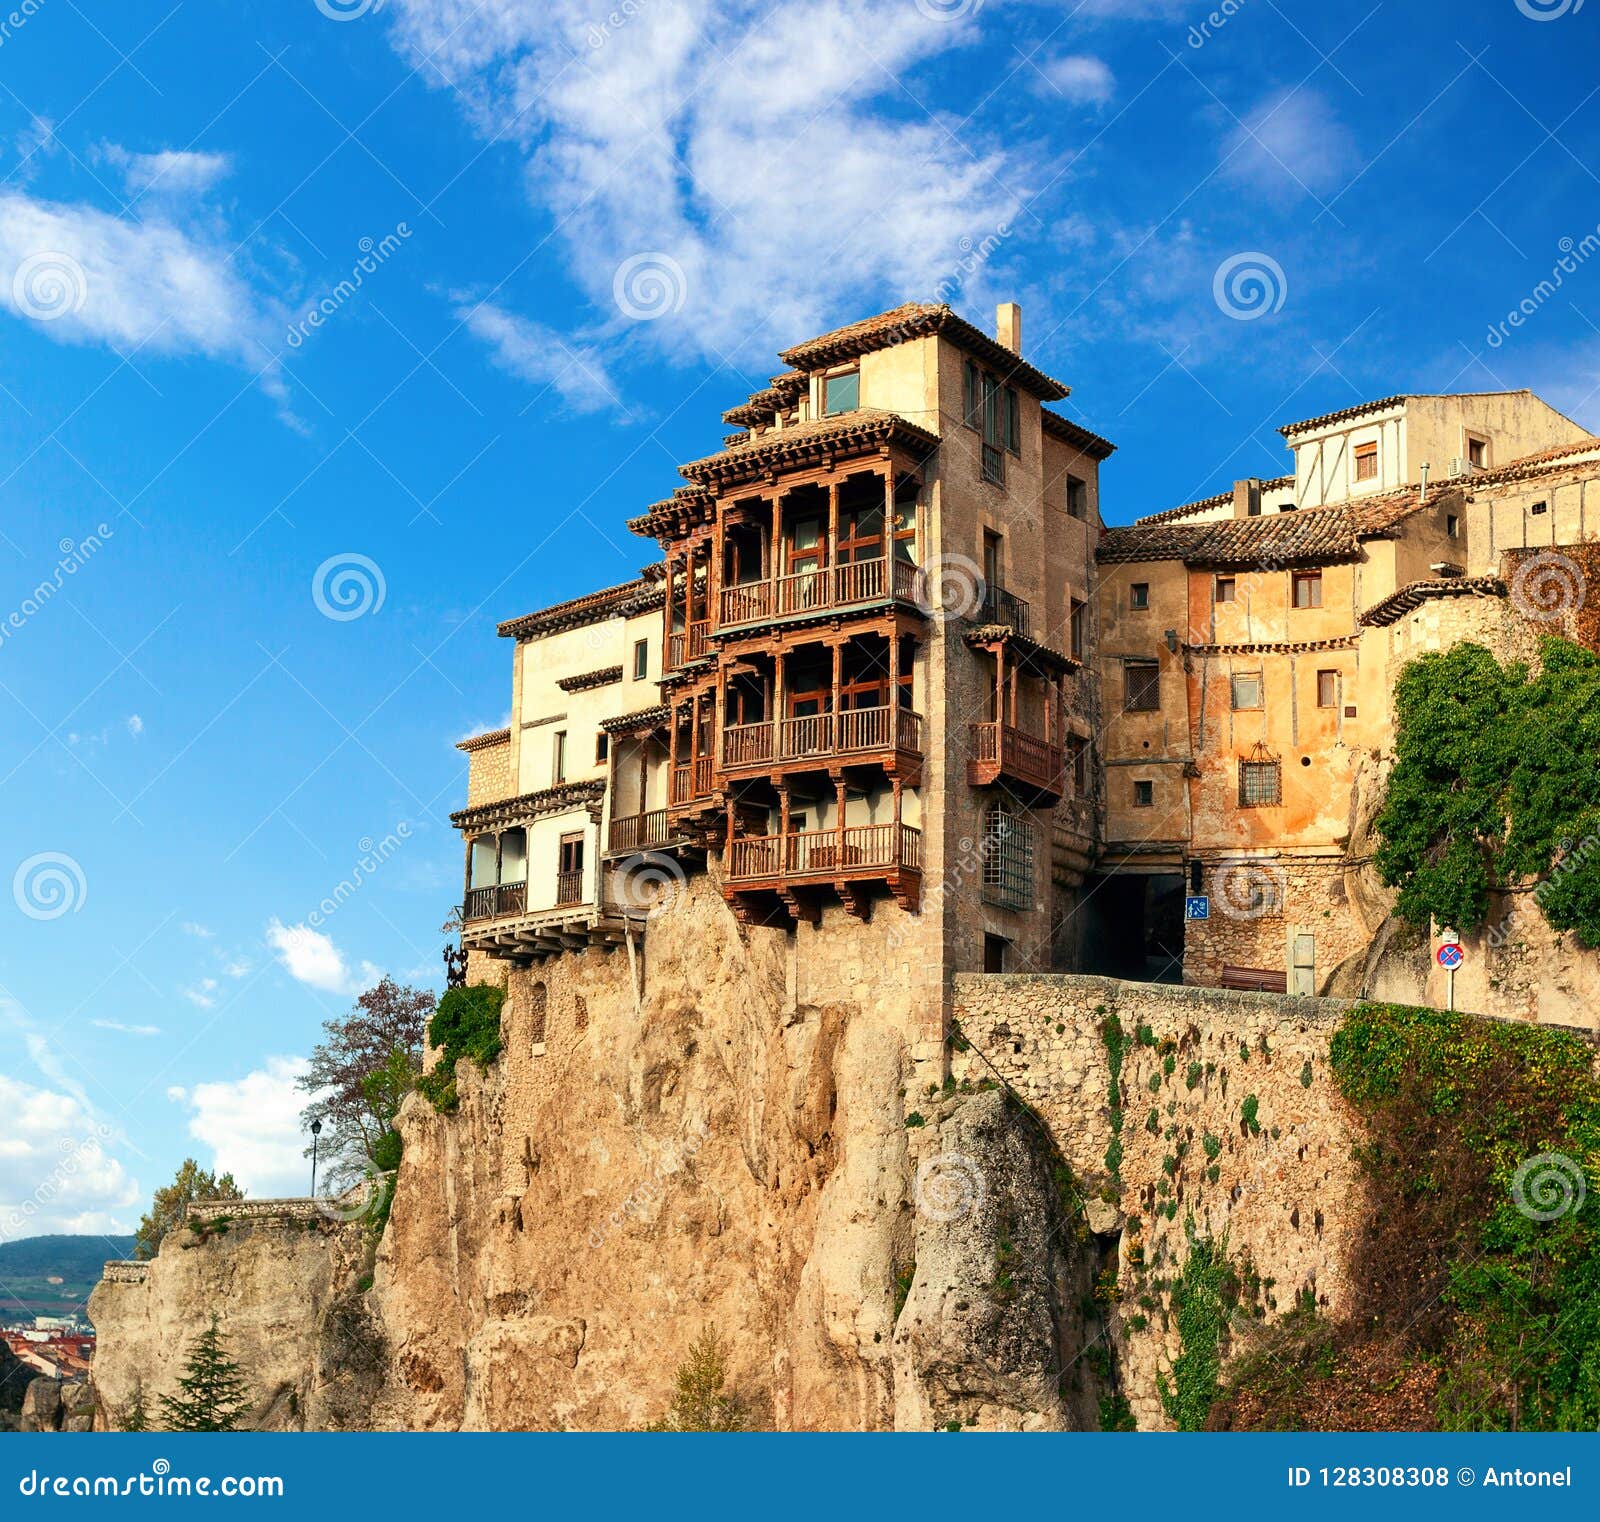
1113,989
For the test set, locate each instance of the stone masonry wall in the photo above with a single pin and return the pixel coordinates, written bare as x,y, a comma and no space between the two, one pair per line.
1197,1155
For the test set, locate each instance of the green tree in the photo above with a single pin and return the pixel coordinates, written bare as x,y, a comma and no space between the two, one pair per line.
166,1211
213,1395
134,1418
699,1404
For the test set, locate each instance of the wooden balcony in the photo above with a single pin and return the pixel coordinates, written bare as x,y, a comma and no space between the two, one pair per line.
691,782
845,859
640,832
496,900
569,888
1003,753
816,591
688,644
892,735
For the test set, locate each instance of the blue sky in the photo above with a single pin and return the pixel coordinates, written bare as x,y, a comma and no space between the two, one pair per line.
578,239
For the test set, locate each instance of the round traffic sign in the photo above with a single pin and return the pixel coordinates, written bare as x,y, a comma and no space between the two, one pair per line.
1449,956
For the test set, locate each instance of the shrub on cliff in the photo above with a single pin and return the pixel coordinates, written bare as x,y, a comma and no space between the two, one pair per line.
1496,782
167,1208
466,1024
699,1403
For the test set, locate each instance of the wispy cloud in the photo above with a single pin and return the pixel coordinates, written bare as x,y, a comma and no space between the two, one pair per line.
1292,142
202,994
539,355
126,1030
310,957
167,173
1079,77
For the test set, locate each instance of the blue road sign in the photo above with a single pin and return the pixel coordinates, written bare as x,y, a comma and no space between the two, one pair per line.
1197,907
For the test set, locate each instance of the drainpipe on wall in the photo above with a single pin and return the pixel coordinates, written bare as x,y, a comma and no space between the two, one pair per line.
1424,467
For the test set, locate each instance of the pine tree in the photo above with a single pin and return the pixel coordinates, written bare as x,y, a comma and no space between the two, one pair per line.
699,1404
213,1395
133,1414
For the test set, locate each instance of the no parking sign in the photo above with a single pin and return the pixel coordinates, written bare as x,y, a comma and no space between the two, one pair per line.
1449,957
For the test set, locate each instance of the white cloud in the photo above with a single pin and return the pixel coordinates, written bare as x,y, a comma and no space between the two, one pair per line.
202,993
170,172
237,967
768,151
194,928
1293,141
135,725
56,1173
127,1030
252,1126
1081,78
535,353
310,957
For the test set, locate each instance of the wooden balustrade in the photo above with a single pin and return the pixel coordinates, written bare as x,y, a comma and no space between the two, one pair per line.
823,853
684,645
1000,749
747,744
821,587
640,832
808,736
854,731
497,899
569,887
691,781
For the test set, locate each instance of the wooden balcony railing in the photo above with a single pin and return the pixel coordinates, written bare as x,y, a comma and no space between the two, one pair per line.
824,853
691,781
834,586
853,732
999,749
688,644
497,899
569,887
640,832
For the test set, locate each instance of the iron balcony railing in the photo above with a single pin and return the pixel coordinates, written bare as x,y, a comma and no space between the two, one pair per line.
999,606
850,732
834,586
824,853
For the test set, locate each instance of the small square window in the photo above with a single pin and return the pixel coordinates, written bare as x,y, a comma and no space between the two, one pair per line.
1247,690
1366,456
1077,498
1327,689
1477,453
1539,509
1144,795
602,748
1452,525
1139,594
841,393
1308,589
1226,588
1141,686
558,758
641,660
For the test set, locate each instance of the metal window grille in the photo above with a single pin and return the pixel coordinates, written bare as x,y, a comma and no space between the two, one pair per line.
1007,859
1142,686
1260,784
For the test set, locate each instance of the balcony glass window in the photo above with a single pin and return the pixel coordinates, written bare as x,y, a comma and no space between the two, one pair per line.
841,393
641,659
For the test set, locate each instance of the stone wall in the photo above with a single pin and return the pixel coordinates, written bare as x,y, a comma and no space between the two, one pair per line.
1228,1120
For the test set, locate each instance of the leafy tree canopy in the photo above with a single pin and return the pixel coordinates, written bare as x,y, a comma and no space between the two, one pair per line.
1496,783
166,1210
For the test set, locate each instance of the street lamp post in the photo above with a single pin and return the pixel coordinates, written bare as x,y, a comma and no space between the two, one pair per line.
316,1131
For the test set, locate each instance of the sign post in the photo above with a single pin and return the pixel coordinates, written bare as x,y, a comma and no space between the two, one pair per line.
1450,956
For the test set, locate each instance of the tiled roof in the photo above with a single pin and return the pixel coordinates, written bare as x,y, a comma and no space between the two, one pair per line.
1320,536
510,811
1189,509
1360,409
851,433
983,635
614,602
632,723
584,680
1532,464
917,319
1397,604
1279,647
687,508
1072,433
483,741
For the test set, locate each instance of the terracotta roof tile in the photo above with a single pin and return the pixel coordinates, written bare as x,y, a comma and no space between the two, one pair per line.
483,741
1358,410
613,602
859,432
1189,509
1075,434
1397,604
1531,464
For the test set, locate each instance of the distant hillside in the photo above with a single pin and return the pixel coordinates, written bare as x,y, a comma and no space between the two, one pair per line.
28,1266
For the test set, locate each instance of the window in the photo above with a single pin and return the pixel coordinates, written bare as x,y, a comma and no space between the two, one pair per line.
1076,626
569,873
971,395
1247,689
1139,594
991,559
841,393
1144,795
1327,689
1008,849
993,409
1367,462
558,758
1260,784
1477,452
1538,509
1078,756
1141,686
1077,498
602,748
1308,589
1452,524
1225,589
995,948
641,659
1013,422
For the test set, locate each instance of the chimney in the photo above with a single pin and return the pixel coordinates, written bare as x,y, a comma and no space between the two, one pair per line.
1247,497
1008,326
